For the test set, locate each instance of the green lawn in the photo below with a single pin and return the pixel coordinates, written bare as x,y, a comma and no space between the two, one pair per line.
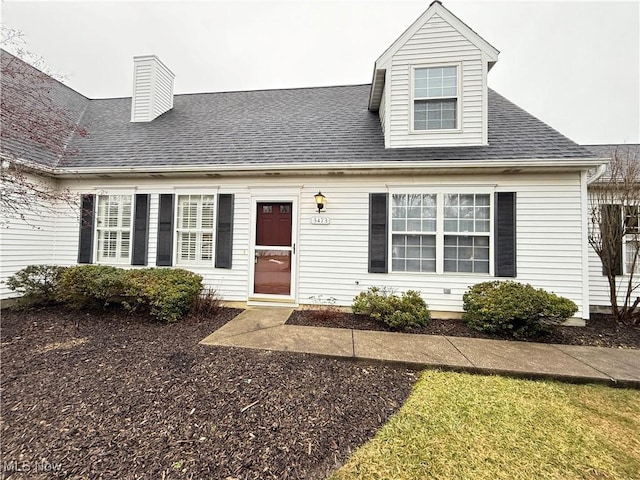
461,426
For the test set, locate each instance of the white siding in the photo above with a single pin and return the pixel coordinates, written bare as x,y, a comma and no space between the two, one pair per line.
26,241
435,43
599,285
152,89
332,259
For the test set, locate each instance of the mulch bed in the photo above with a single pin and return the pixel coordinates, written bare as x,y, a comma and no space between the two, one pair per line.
600,331
107,395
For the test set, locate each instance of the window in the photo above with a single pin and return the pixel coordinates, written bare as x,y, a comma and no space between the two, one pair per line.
467,214
435,98
195,228
631,216
632,238
114,228
452,230
413,222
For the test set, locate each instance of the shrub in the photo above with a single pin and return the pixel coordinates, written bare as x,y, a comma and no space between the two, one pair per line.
168,294
323,309
37,284
207,304
514,308
404,312
91,286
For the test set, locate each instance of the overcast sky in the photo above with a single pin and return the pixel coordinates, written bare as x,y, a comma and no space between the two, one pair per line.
575,65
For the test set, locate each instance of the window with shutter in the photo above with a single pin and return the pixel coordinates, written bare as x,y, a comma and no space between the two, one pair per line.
441,232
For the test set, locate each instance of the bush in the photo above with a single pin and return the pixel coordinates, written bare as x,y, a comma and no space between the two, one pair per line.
207,304
514,308
91,286
168,294
404,312
323,309
37,284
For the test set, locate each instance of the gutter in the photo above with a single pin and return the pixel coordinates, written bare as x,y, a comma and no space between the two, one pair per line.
508,166
599,172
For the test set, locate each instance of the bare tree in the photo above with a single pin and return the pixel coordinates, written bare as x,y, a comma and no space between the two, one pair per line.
614,232
35,131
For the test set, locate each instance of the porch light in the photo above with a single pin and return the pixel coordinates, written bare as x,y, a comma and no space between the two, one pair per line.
321,201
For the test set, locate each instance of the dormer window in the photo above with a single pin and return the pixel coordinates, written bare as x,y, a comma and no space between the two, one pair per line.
435,98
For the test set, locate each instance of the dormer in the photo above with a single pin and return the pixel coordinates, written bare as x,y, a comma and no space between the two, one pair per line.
430,85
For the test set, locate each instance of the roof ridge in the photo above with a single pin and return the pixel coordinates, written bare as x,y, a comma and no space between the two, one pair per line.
288,89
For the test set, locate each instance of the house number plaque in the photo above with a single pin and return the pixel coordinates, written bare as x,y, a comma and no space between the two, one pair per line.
320,220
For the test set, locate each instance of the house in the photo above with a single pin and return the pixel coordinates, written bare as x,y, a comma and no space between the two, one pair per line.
425,179
626,220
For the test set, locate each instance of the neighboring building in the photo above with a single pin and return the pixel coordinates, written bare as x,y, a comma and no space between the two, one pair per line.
599,298
432,182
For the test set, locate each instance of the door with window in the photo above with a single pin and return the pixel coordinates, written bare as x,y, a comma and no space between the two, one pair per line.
274,249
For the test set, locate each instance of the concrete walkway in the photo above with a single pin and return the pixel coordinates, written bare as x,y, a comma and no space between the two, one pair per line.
265,329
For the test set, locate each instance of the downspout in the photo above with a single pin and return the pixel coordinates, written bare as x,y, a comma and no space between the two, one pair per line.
586,288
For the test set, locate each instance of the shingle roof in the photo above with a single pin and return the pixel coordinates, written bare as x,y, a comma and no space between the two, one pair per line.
632,150
42,104
306,126
311,125
628,152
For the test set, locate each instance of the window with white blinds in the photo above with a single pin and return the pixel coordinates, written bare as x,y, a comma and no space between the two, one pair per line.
113,228
195,229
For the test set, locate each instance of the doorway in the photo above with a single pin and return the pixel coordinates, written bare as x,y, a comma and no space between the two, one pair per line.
274,249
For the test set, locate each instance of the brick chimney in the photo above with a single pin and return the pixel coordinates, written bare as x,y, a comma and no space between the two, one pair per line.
152,88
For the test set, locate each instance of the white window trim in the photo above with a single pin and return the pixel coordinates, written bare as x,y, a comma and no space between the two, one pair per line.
198,230
440,191
631,237
628,239
458,97
96,255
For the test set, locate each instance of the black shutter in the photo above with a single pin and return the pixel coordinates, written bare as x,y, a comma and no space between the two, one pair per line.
140,230
378,214
505,234
164,255
611,232
87,216
224,231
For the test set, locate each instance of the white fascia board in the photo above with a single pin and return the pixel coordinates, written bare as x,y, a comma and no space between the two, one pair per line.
436,8
29,165
505,166
377,87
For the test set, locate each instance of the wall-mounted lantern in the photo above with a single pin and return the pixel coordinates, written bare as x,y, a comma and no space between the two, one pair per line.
321,201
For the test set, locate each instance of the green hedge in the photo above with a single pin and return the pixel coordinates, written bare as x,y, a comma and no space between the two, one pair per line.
408,311
91,286
167,294
514,308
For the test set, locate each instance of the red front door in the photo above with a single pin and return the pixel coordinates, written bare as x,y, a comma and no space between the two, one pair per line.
273,249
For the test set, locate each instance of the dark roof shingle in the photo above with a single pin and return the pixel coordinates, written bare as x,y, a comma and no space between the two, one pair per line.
306,126
296,126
